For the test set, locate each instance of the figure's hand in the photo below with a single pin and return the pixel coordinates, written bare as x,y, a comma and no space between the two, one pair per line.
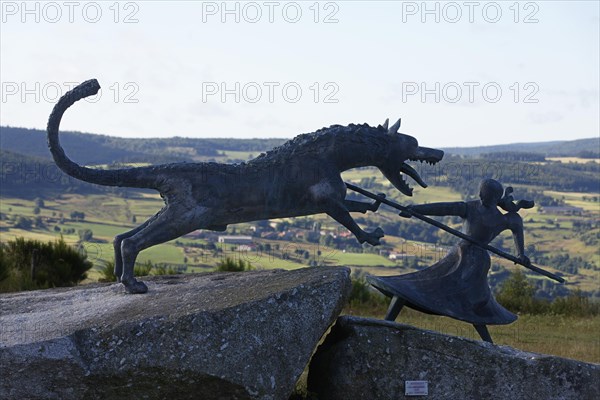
406,214
524,259
375,205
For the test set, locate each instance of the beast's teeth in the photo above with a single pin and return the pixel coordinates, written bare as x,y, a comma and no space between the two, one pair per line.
410,171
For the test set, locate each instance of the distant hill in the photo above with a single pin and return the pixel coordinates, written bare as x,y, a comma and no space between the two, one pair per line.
563,148
29,177
86,148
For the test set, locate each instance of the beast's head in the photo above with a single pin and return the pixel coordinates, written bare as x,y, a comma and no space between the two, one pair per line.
402,148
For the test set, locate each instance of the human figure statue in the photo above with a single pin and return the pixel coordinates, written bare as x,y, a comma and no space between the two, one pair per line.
457,285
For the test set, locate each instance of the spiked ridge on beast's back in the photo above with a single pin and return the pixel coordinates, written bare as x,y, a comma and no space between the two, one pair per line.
372,141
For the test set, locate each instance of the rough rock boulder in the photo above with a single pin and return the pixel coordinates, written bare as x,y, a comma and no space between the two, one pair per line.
209,336
366,358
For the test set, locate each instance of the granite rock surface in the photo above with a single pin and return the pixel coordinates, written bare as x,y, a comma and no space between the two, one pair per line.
366,358
211,336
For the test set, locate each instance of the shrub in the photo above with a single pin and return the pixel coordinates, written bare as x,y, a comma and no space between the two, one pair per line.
32,264
517,295
231,265
23,223
143,269
363,295
4,268
108,272
85,235
576,304
164,270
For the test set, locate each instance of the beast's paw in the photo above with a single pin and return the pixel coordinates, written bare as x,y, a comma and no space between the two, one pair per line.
134,286
373,237
378,233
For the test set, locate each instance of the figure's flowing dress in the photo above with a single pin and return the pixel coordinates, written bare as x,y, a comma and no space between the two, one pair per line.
455,286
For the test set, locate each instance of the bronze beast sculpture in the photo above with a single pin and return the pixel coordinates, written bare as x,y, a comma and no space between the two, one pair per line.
300,177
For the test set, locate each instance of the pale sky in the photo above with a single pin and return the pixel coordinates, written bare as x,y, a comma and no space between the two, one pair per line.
458,73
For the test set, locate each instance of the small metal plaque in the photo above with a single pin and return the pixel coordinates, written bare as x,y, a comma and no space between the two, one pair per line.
416,388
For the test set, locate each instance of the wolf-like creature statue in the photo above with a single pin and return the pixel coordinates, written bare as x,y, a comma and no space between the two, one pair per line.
300,177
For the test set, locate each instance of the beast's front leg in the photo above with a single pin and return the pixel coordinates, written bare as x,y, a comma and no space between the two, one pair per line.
338,211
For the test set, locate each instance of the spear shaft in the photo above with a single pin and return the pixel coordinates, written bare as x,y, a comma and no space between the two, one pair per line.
454,232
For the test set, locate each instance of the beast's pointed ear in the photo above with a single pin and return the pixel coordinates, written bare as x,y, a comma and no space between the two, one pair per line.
394,128
386,123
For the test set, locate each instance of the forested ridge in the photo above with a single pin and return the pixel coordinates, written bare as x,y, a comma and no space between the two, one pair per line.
102,149
88,148
26,159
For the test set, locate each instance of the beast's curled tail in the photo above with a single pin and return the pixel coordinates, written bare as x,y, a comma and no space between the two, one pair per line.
130,177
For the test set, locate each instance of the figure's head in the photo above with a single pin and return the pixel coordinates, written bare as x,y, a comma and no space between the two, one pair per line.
401,148
490,192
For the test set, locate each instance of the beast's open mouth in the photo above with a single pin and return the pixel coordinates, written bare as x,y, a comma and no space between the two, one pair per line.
396,174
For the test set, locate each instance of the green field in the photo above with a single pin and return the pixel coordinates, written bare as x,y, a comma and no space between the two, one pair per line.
576,199
108,216
577,160
239,155
357,259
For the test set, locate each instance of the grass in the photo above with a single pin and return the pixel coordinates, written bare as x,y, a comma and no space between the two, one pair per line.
575,199
358,259
273,263
434,194
13,233
571,337
420,195
106,216
355,175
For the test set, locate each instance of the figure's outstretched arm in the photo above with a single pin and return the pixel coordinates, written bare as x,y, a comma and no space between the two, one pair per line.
515,224
458,208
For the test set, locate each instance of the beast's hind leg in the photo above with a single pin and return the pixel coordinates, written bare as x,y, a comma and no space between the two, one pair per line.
171,223
117,245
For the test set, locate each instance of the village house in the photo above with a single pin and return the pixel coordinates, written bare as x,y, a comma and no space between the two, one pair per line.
246,240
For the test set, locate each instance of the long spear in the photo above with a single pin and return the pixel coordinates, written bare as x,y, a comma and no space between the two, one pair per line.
454,232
